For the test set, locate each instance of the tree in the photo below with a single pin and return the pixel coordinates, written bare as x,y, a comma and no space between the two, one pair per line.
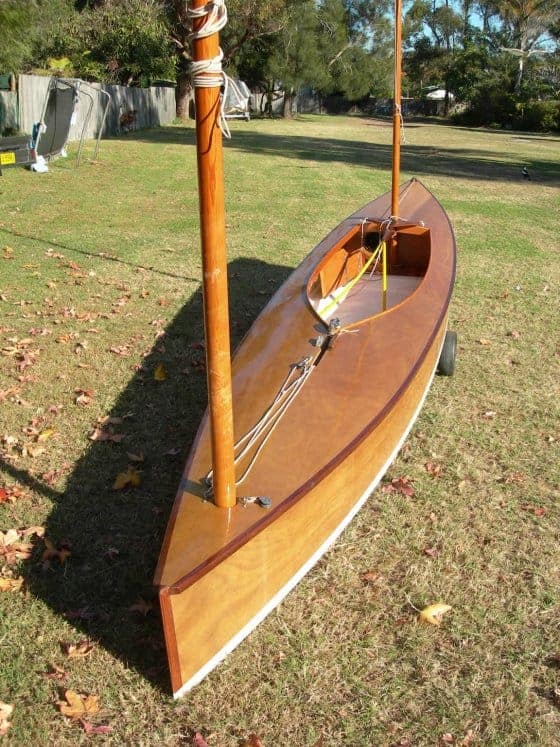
528,24
249,22
296,59
345,41
25,24
122,41
433,58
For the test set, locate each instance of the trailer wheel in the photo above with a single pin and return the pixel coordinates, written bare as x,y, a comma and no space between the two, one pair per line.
446,363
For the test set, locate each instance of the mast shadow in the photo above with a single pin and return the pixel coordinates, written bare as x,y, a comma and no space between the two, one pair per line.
115,535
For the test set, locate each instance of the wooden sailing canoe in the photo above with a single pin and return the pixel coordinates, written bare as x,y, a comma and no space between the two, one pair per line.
335,382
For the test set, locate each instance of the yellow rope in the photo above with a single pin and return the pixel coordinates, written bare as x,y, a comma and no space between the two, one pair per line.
384,279
340,299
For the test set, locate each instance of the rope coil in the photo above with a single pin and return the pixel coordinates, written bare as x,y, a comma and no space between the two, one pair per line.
398,112
216,18
208,73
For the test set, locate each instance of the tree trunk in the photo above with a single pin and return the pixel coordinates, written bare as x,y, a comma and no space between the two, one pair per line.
183,95
520,71
288,100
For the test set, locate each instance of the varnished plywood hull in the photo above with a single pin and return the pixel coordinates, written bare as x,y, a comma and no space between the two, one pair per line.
209,618
222,570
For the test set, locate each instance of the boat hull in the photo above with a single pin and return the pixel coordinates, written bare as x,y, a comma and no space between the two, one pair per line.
237,592
231,567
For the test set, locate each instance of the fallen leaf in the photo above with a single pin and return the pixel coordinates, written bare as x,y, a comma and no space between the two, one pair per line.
447,739
370,577
131,477
89,728
514,478
433,469
77,706
160,374
484,341
55,673
468,738
11,584
50,552
431,552
489,414
110,420
122,350
402,485
6,710
199,741
83,396
37,530
11,494
141,606
536,510
253,741
98,434
46,434
78,650
12,548
82,613
52,475
433,613
515,334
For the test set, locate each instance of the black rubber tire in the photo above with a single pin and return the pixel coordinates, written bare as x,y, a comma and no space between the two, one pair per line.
446,363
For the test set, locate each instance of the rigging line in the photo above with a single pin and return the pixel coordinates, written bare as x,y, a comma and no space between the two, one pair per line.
270,418
261,423
282,411
340,298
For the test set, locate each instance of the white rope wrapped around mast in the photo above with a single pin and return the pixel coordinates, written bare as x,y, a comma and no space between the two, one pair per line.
208,73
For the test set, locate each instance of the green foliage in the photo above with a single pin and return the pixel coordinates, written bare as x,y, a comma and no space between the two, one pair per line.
25,24
490,105
296,59
542,116
123,42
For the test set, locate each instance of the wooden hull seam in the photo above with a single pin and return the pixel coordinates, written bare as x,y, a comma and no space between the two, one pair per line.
255,621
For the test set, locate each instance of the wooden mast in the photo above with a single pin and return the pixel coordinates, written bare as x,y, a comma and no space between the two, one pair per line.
397,117
214,267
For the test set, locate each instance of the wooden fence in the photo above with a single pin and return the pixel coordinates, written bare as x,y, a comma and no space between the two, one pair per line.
145,107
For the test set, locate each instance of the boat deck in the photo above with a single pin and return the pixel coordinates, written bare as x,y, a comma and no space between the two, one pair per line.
365,298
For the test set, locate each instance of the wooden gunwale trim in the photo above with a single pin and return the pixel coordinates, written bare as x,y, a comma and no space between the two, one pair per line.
320,475
170,638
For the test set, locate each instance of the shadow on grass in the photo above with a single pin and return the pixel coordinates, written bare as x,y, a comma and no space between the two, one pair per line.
115,536
418,160
103,256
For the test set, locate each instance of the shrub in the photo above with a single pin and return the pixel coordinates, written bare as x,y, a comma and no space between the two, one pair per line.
490,106
541,116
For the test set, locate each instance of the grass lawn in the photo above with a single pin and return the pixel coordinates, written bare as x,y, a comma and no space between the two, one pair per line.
99,285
